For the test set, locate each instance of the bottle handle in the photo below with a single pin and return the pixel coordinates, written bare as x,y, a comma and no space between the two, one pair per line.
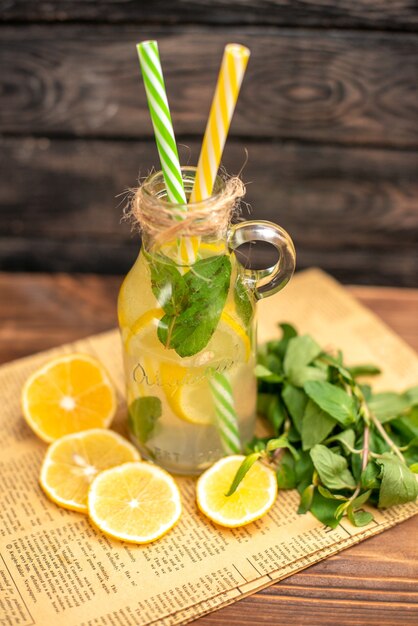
281,272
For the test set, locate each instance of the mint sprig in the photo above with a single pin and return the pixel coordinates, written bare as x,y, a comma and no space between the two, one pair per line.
192,302
346,445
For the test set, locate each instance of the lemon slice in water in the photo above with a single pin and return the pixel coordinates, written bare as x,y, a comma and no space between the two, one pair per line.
187,388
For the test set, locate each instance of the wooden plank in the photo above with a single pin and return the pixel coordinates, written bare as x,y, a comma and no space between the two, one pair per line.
390,304
40,311
347,209
373,583
340,87
401,14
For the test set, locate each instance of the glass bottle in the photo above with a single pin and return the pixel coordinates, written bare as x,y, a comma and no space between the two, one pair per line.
187,318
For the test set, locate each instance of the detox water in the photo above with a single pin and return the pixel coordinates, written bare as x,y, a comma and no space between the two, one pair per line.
172,410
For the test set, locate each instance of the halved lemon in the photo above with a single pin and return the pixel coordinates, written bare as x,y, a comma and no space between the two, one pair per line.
69,394
72,462
254,496
135,502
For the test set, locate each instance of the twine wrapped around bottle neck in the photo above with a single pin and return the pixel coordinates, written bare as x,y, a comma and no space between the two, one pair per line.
164,221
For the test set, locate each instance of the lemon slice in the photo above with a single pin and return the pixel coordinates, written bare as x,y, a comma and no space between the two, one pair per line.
233,326
191,402
254,496
135,502
144,329
69,394
72,462
187,388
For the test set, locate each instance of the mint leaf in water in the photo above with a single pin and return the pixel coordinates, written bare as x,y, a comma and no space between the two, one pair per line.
192,314
167,284
243,301
399,484
143,414
332,468
333,400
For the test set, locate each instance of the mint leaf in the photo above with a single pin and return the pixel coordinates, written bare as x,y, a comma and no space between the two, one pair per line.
245,466
325,510
300,377
191,320
142,416
276,414
332,468
301,351
316,425
364,370
412,395
304,470
306,499
243,301
361,499
359,518
167,284
279,346
271,407
263,373
286,472
347,438
407,426
399,484
370,476
333,400
411,452
281,442
328,494
295,400
388,406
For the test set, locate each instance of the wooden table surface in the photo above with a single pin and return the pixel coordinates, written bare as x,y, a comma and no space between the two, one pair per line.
373,583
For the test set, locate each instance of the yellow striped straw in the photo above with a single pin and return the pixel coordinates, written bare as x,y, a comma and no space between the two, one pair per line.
231,74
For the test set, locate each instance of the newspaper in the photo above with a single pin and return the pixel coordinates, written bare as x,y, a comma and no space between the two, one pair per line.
55,568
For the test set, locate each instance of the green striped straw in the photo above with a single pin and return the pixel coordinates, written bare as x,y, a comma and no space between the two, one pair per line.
149,59
226,416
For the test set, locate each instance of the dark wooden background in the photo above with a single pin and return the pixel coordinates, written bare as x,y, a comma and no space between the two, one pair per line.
328,113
